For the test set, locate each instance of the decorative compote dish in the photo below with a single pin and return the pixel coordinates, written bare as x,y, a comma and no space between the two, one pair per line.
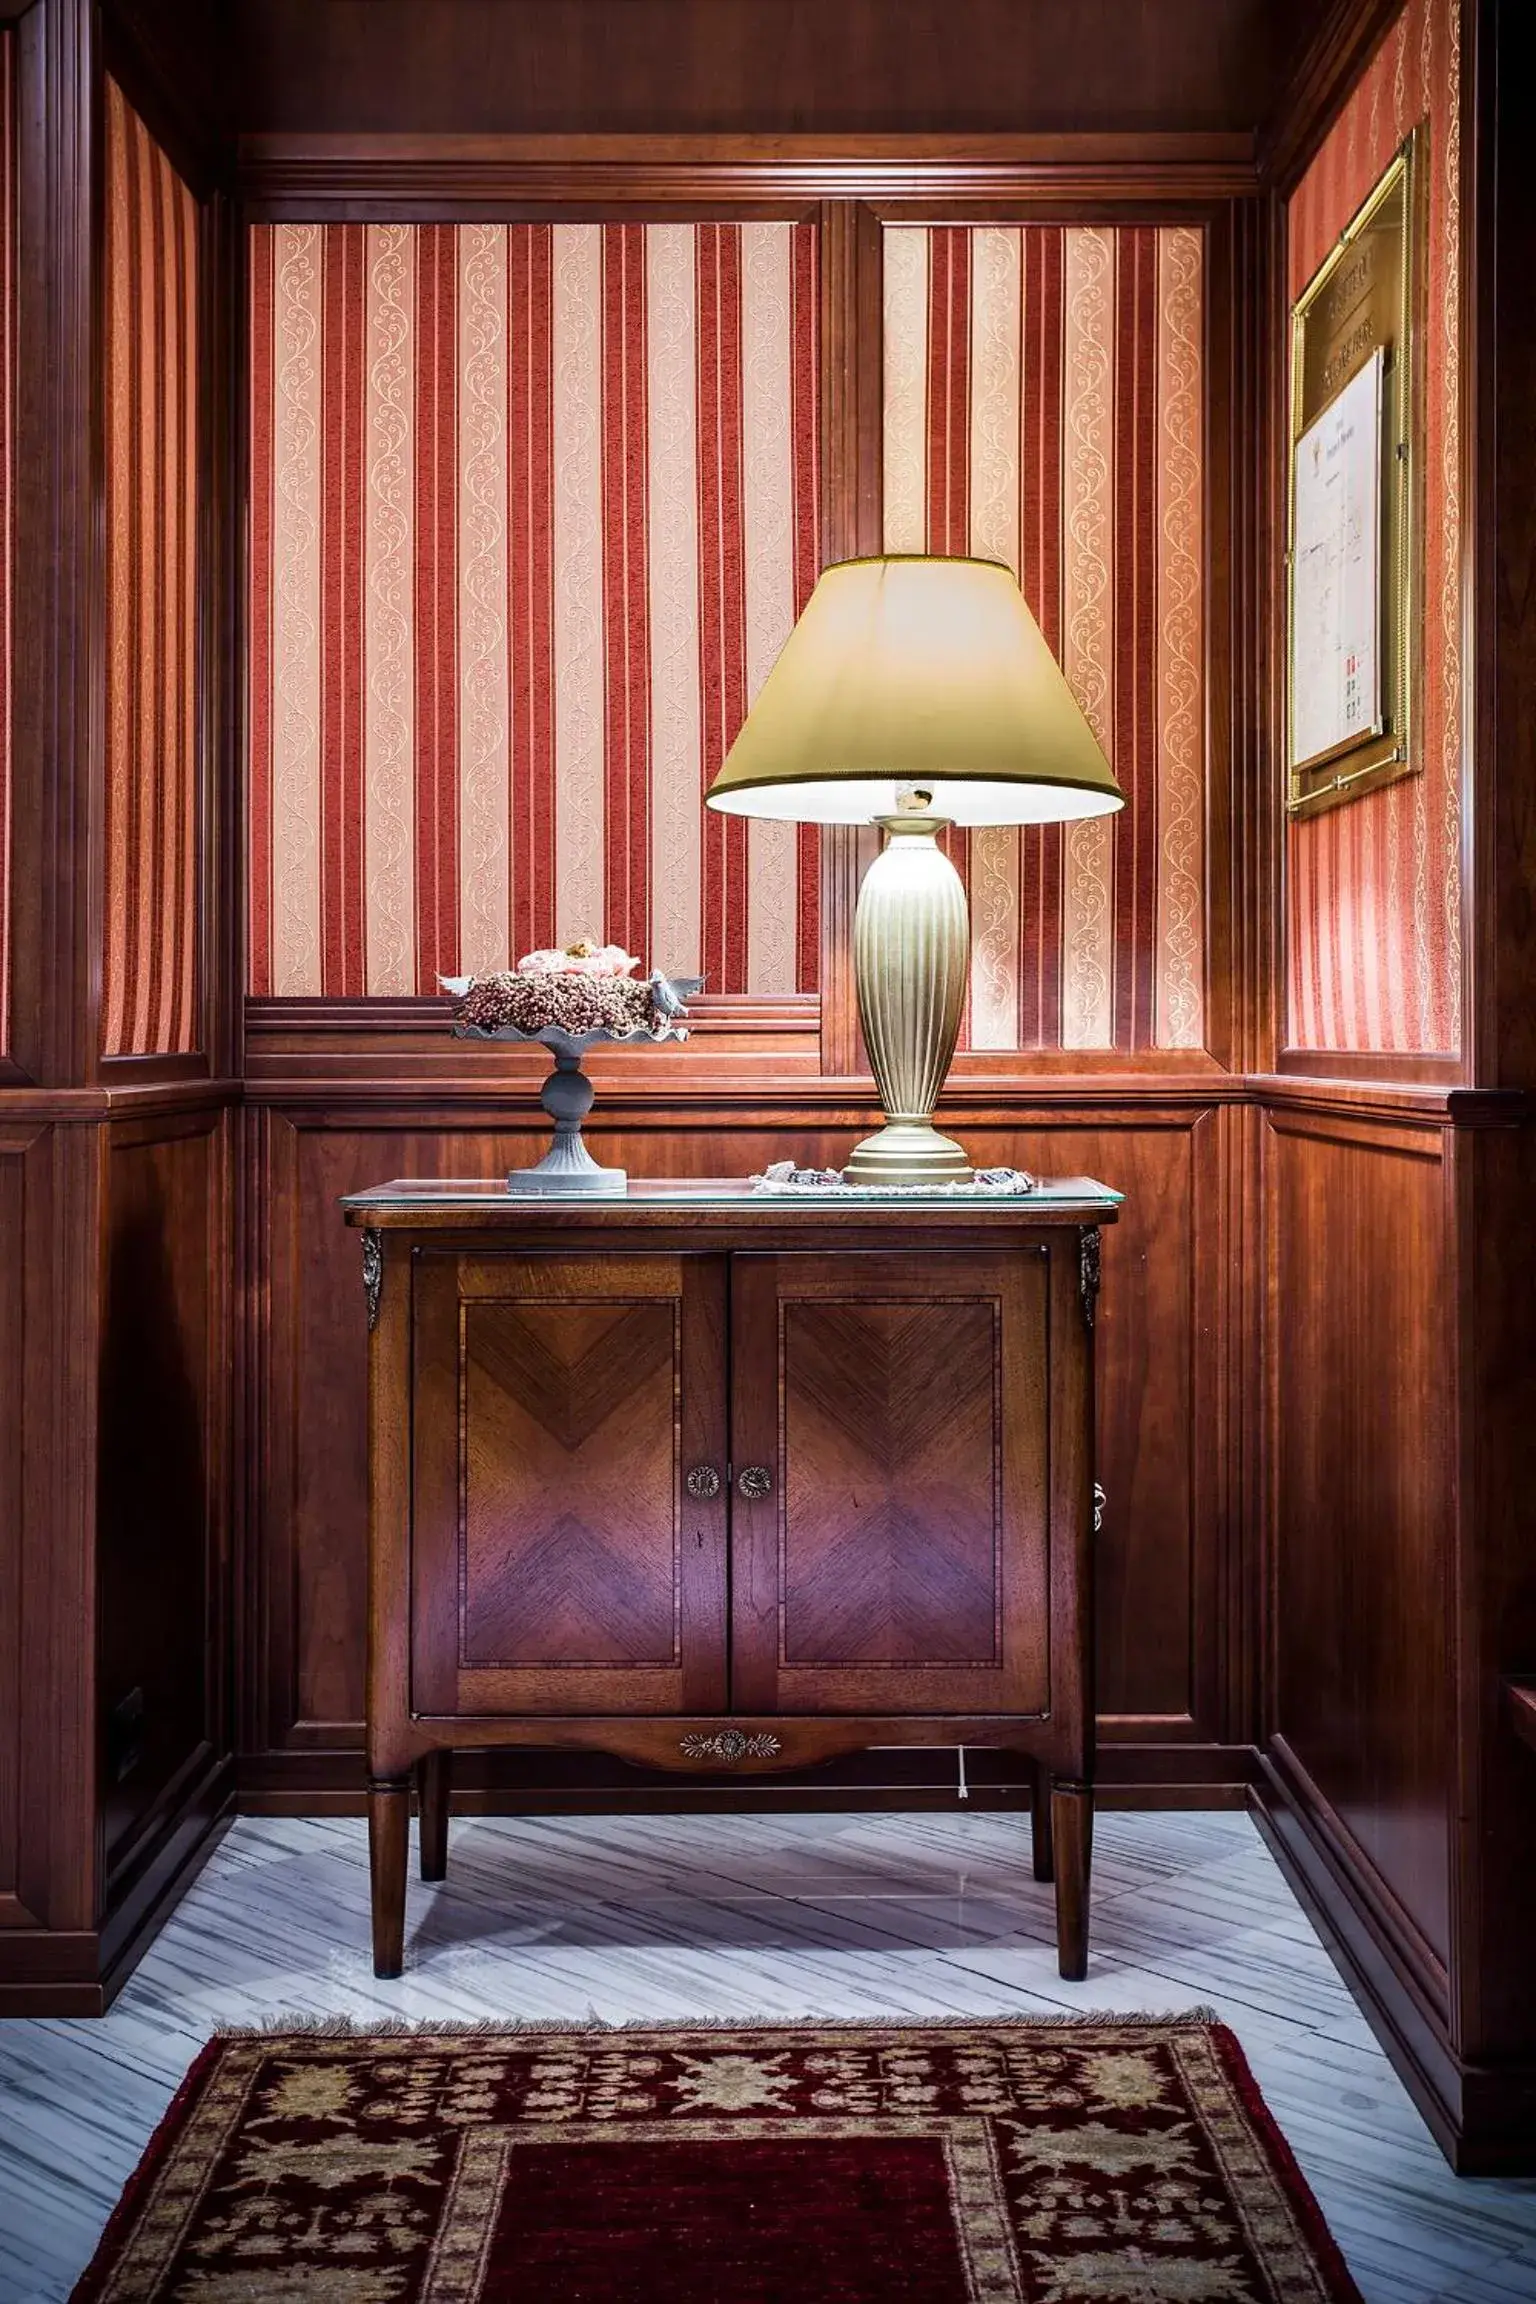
567,1001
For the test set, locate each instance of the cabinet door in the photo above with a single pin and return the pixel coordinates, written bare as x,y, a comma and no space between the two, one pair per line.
898,1561
559,1563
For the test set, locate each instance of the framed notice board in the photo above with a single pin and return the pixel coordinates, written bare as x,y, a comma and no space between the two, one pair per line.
1354,543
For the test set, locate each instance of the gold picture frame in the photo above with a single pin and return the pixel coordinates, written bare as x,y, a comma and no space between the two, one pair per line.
1359,312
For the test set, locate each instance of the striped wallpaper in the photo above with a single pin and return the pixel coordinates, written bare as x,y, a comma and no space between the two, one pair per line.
533,508
1044,405
7,549
1374,898
150,287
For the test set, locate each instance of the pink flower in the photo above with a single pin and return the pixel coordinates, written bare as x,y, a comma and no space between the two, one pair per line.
582,960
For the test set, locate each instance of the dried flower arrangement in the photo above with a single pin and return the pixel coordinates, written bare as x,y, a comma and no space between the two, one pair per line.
567,999
586,988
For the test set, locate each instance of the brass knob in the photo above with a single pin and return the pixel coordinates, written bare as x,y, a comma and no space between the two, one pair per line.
703,1482
756,1483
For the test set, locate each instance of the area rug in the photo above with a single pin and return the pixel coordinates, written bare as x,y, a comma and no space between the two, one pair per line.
1097,2161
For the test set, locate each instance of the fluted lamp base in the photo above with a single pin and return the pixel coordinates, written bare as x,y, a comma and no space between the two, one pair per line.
911,954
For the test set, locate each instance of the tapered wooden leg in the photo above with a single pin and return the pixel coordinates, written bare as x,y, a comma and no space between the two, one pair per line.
435,1781
1040,1824
389,1832
1072,1825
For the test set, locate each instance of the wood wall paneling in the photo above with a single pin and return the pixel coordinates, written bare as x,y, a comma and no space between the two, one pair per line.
1363,1406
57,703
673,67
161,1469
1493,1174
49,1192
173,59
99,1509
47,1872
1400,1579
16,1144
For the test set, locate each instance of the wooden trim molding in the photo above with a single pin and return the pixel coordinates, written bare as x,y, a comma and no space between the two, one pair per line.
1333,59
58,700
358,177
1393,1065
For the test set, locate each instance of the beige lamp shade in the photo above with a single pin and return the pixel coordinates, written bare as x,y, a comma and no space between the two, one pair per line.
916,671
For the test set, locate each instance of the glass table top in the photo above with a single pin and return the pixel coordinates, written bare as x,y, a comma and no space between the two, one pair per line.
734,1193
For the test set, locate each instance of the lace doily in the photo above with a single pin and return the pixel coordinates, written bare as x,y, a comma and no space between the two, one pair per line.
785,1179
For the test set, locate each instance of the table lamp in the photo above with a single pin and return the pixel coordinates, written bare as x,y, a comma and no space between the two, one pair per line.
914,693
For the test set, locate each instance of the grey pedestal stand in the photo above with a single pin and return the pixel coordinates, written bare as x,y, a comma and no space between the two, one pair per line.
567,1093
567,1097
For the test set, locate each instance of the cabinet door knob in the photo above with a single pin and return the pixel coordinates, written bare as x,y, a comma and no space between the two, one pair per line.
703,1482
755,1483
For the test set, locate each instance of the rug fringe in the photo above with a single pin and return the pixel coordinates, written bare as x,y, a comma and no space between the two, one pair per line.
301,2026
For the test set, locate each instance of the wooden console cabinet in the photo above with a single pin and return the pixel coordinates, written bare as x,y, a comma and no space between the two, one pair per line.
715,1480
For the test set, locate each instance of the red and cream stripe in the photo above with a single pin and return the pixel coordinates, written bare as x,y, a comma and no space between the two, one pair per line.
722,594
1044,407
530,551
533,509
341,610
1374,889
150,286
1042,269
805,501
436,604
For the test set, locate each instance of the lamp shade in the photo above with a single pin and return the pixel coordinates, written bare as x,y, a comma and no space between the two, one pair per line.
909,670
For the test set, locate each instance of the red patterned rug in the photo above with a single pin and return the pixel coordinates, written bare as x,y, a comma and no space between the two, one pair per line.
1103,2161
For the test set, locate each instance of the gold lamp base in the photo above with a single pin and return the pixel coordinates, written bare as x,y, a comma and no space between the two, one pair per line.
908,1152
911,951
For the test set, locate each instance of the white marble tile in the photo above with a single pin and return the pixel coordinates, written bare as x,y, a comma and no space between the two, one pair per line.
676,1917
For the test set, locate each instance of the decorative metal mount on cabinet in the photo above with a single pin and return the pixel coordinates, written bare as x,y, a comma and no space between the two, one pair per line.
730,1744
373,1275
1088,1271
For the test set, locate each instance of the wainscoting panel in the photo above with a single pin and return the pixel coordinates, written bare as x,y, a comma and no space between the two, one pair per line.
19,1148
1363,1406
161,1514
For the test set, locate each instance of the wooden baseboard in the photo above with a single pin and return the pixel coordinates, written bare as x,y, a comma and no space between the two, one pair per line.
1482,2118
180,1852
18,1998
48,1972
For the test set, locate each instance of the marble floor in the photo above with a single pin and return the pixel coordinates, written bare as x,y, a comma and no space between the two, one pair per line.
657,1917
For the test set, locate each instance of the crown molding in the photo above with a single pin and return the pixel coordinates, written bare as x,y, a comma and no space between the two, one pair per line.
356,177
1327,69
